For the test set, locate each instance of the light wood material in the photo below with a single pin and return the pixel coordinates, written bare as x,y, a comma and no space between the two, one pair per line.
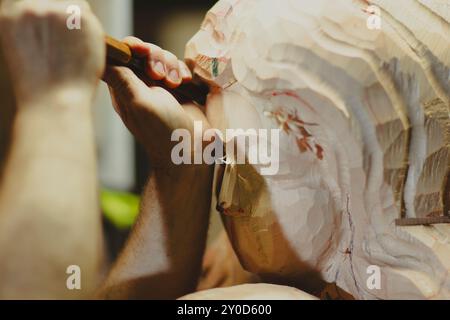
379,102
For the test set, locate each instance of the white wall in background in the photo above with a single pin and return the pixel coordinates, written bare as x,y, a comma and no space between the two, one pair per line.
115,144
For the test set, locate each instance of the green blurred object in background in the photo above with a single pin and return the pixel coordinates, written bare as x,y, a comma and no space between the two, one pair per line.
119,208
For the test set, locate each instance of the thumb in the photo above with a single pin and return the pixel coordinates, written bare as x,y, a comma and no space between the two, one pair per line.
129,94
125,87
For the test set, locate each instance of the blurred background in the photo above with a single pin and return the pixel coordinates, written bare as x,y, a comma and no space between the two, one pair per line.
123,166
167,23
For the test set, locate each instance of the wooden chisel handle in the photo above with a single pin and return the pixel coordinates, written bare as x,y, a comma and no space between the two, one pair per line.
119,53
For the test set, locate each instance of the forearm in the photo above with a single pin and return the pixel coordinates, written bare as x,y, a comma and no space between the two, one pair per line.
162,259
48,200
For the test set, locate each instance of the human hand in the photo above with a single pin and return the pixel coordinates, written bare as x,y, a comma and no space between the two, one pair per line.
151,113
221,267
44,56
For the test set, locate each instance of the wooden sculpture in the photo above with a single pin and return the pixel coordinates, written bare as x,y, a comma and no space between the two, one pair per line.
361,91
259,291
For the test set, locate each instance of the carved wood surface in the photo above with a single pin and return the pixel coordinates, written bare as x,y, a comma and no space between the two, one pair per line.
365,139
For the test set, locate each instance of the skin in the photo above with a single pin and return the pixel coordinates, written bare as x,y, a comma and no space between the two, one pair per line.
49,217
162,257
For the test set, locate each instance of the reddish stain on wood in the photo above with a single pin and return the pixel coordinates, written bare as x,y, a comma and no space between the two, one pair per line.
292,124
